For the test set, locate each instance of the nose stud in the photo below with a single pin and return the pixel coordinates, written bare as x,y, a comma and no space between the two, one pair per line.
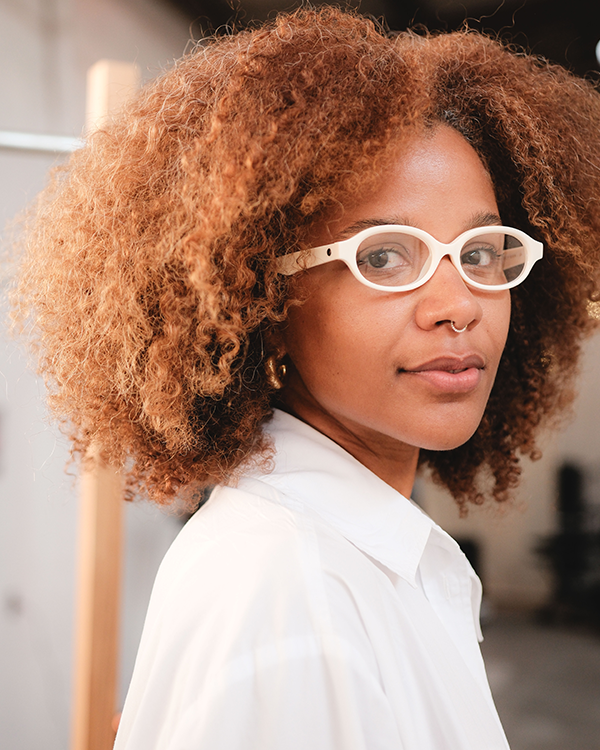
458,330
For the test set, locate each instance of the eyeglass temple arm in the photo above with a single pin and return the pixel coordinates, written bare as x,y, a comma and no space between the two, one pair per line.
300,261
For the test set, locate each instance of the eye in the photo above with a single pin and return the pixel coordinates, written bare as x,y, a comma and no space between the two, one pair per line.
380,259
391,259
383,258
480,255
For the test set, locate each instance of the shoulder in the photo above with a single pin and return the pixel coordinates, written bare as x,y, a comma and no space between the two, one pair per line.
243,546
251,608
232,548
234,536
247,569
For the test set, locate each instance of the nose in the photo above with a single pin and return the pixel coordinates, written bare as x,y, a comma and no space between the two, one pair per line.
446,299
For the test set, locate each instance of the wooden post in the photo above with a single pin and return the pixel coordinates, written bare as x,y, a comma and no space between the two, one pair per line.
110,84
96,654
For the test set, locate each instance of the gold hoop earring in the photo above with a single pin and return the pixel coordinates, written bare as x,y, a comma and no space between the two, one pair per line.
276,373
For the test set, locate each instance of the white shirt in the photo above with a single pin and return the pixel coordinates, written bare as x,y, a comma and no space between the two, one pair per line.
311,608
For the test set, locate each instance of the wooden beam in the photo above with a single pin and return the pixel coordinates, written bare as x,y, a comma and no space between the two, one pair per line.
110,84
96,649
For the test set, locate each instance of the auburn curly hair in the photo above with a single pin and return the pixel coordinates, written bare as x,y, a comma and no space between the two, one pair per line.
149,276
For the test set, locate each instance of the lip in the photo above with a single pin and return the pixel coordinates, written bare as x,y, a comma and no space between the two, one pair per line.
450,363
450,374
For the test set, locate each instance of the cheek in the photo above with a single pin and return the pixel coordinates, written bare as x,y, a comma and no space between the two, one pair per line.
497,321
332,335
318,339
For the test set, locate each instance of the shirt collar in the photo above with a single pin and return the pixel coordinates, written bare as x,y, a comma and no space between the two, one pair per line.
312,469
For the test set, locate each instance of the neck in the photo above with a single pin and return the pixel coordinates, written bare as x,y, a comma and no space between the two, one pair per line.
391,460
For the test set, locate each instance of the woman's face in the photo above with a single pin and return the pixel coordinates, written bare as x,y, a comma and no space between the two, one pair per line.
383,373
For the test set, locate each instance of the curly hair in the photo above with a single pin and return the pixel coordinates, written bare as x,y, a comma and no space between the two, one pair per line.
149,275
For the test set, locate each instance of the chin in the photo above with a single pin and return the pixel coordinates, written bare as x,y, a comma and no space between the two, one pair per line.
446,446
447,440
448,428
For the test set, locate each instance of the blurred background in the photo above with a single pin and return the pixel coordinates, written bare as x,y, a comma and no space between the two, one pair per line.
539,559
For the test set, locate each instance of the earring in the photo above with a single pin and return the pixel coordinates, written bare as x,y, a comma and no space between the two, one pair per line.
276,373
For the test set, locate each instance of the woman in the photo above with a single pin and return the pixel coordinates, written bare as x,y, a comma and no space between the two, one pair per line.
307,261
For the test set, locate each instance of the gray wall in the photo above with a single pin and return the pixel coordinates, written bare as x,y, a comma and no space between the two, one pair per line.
46,47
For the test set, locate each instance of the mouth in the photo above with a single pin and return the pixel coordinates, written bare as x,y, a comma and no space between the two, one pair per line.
449,374
450,364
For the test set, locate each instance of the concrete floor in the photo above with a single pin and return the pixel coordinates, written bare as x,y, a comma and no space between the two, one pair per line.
546,683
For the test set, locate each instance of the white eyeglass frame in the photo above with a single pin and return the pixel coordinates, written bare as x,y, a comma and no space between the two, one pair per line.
345,250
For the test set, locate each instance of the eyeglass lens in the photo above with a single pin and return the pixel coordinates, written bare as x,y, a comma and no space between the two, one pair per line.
398,259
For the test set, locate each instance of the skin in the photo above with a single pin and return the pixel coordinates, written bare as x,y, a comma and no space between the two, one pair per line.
372,369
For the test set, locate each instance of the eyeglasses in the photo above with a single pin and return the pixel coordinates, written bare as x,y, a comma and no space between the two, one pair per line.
399,258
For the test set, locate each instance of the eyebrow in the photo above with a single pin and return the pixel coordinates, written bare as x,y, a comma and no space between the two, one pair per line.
479,219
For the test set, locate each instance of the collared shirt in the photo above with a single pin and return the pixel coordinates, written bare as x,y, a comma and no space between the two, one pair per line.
311,606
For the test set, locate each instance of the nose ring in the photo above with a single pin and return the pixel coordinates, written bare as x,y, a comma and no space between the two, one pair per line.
458,330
